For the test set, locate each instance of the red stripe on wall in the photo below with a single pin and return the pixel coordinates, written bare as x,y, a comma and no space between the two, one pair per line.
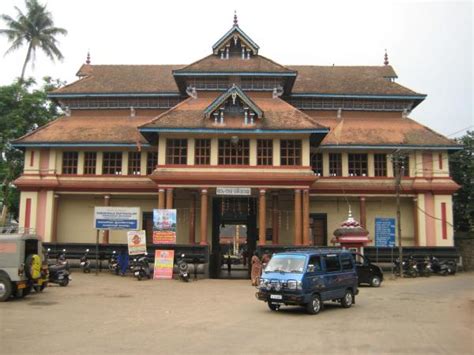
440,160
444,225
32,158
27,213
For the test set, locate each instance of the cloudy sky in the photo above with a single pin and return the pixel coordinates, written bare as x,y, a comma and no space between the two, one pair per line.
430,44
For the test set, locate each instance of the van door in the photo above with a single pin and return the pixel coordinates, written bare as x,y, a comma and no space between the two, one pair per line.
332,276
348,277
315,280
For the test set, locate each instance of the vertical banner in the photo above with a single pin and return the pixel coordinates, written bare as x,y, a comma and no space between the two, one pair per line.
164,226
163,264
136,242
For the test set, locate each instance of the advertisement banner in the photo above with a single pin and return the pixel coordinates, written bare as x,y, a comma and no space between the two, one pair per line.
164,226
385,232
163,264
136,242
117,218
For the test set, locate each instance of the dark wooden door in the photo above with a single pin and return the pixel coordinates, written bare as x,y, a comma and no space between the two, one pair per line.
318,226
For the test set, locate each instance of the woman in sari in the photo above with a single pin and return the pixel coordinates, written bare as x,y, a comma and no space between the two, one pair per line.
256,269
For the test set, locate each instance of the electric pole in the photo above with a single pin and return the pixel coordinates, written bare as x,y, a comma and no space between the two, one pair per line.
399,171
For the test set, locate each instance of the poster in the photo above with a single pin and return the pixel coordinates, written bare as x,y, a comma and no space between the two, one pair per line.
385,232
164,226
163,264
117,217
136,242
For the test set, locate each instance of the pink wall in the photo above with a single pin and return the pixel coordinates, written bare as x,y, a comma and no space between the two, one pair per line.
41,214
429,221
44,160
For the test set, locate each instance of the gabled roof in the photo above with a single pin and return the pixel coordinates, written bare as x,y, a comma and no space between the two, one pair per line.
214,64
228,36
189,116
222,98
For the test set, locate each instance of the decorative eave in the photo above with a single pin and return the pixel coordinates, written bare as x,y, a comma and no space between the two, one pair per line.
76,145
243,37
234,90
112,94
390,147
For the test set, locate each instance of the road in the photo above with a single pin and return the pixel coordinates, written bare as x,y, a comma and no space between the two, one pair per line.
108,314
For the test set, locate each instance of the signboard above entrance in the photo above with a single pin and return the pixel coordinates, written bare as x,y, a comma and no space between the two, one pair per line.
117,218
234,191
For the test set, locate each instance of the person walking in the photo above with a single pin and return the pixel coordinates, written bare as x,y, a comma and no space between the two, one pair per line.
256,269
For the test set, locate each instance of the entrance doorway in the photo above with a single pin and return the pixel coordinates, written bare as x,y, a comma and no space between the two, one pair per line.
318,223
234,236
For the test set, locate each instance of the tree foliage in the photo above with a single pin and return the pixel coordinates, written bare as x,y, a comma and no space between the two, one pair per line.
462,171
23,108
36,29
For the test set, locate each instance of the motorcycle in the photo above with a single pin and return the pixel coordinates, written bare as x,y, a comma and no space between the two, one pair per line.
113,263
183,269
59,273
85,263
409,265
443,267
141,268
424,267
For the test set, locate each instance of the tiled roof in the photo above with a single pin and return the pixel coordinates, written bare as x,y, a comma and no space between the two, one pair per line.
380,131
213,63
91,128
123,79
356,80
277,114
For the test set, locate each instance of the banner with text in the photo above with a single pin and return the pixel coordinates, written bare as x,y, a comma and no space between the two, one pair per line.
163,264
117,218
136,242
164,226
385,232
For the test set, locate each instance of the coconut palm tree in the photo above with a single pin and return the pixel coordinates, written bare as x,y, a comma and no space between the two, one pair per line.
36,29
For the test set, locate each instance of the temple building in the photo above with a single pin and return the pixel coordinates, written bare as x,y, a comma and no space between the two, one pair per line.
237,139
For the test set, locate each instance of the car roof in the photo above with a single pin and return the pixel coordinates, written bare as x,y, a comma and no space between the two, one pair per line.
314,251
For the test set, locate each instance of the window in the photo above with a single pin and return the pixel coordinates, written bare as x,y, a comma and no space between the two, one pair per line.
357,164
112,164
202,152
316,261
70,162
151,162
264,152
404,166
134,161
380,164
347,263
332,263
90,161
335,164
290,152
317,163
176,151
231,153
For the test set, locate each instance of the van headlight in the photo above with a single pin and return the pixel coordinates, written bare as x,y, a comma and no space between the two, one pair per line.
292,284
261,283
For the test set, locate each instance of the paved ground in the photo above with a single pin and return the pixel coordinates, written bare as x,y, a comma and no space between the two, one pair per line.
112,314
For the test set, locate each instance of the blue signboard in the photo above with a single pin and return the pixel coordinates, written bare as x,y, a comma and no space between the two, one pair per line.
106,217
116,224
385,232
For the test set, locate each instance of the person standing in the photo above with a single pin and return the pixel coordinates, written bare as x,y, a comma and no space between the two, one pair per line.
256,269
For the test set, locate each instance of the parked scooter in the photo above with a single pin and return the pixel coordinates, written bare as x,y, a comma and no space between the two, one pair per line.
424,267
141,268
85,263
113,263
409,265
59,273
443,267
183,269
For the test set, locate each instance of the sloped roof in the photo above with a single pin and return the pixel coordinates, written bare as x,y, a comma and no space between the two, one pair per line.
123,79
380,131
277,114
222,98
355,80
89,129
230,33
213,63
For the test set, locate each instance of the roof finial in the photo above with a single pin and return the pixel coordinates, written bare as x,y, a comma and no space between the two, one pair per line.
385,58
88,58
236,22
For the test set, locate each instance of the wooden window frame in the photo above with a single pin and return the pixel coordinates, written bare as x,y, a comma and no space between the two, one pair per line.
70,163
234,153
290,152
134,163
265,152
151,162
202,151
176,151
335,164
358,164
316,160
90,163
380,164
112,163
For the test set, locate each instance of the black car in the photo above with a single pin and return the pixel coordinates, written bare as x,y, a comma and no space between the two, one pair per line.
367,272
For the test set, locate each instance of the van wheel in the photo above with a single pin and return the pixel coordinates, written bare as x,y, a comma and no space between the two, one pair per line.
314,306
273,306
348,299
5,288
375,282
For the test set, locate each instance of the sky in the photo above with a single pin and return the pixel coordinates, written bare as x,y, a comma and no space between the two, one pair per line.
430,44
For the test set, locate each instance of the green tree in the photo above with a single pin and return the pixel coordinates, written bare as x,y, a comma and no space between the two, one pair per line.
462,171
35,29
23,108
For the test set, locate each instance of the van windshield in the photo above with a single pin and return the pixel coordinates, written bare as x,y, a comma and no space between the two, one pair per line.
286,264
